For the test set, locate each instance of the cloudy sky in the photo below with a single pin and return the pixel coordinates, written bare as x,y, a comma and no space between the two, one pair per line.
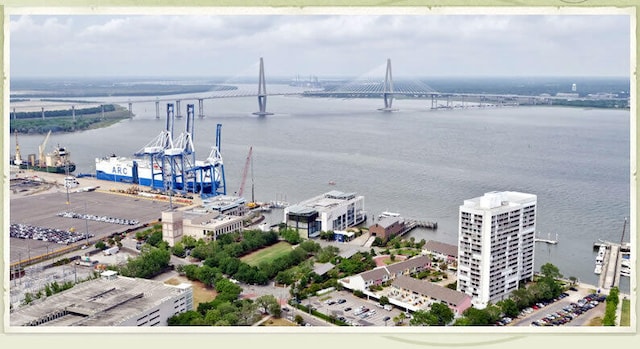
322,45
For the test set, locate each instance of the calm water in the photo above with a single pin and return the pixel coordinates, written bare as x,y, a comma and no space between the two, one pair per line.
418,162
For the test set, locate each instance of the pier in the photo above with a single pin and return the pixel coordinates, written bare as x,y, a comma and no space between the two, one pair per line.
610,276
410,224
548,240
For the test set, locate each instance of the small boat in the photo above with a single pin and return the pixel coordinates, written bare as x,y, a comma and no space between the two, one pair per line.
332,183
598,269
625,272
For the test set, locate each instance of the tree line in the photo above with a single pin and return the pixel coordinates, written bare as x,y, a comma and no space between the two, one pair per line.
62,112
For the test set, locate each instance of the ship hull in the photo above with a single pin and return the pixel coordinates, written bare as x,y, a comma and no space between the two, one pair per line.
50,169
140,172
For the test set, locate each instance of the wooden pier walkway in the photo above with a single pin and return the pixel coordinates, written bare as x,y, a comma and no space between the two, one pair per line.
410,224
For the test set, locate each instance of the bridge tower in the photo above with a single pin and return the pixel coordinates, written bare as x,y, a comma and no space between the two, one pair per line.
388,89
262,93
178,112
200,108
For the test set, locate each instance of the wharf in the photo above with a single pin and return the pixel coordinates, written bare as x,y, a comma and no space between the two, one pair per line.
410,224
610,276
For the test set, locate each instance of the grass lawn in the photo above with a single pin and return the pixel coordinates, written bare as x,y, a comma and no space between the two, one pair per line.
596,321
267,254
625,317
201,293
278,322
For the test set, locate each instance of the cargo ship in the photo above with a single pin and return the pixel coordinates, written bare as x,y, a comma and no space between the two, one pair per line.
58,161
206,177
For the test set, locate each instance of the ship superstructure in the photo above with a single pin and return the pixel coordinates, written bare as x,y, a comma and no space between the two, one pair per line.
57,161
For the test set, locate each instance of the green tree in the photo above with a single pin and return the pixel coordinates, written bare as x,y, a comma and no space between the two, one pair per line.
509,307
442,313
551,271
188,241
275,310
184,319
155,238
178,250
28,298
384,300
100,245
423,318
264,302
298,319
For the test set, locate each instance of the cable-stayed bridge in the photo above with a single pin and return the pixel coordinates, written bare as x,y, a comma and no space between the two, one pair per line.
386,89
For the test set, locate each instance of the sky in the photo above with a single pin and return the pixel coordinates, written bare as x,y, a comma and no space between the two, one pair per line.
322,45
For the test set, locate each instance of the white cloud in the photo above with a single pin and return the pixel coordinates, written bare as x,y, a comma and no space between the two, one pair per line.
320,44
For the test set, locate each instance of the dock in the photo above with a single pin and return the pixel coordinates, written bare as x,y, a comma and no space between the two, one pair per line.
610,276
410,224
547,240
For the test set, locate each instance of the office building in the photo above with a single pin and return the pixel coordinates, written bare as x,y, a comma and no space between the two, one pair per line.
333,211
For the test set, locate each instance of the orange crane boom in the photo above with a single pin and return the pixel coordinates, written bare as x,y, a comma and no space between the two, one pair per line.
244,172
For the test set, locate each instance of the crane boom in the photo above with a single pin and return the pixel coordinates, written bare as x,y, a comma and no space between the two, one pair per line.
244,172
41,149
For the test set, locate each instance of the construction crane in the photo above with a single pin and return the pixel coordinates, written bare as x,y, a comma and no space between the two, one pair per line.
244,178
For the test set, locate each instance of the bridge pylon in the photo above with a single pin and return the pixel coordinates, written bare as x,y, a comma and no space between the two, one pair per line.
262,93
388,89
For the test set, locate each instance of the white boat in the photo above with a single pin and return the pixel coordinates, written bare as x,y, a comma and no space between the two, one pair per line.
598,269
625,272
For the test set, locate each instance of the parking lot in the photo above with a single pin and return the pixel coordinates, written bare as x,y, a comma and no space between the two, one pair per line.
42,211
350,309
576,309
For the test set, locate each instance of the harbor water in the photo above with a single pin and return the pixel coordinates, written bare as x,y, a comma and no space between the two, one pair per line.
419,162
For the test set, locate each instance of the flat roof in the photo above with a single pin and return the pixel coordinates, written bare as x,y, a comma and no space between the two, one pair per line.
499,199
301,210
327,200
387,221
99,302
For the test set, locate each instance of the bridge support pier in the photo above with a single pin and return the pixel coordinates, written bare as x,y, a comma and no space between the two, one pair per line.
102,111
262,92
14,114
130,110
42,113
73,112
388,89
157,108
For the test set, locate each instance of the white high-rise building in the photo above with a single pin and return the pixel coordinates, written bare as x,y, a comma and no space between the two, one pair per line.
496,243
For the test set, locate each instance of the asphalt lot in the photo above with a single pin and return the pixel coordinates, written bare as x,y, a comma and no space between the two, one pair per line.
573,297
353,302
41,210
